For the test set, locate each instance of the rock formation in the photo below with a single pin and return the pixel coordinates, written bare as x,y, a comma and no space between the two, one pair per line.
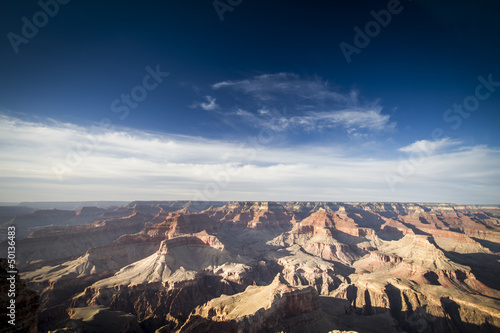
277,306
25,311
180,266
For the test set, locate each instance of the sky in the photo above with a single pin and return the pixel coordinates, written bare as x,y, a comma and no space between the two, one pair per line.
250,100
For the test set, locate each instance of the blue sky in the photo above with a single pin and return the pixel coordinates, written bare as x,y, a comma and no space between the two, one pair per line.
164,100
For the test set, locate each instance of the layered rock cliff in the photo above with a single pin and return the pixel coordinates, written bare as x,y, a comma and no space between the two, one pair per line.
271,308
270,266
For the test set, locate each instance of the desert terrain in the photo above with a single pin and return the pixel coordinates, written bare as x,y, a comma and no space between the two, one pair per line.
180,266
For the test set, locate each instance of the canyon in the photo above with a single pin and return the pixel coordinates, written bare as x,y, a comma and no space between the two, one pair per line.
182,266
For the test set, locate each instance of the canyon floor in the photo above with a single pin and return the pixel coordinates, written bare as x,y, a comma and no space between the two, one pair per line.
180,266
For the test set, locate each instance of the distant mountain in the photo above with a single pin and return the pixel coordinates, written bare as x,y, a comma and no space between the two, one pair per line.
8,212
72,205
29,222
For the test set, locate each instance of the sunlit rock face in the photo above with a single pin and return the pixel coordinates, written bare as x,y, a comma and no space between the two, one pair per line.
268,267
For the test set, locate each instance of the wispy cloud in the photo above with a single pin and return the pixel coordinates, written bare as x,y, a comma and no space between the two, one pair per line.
312,120
429,147
350,119
312,104
209,105
269,87
126,164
